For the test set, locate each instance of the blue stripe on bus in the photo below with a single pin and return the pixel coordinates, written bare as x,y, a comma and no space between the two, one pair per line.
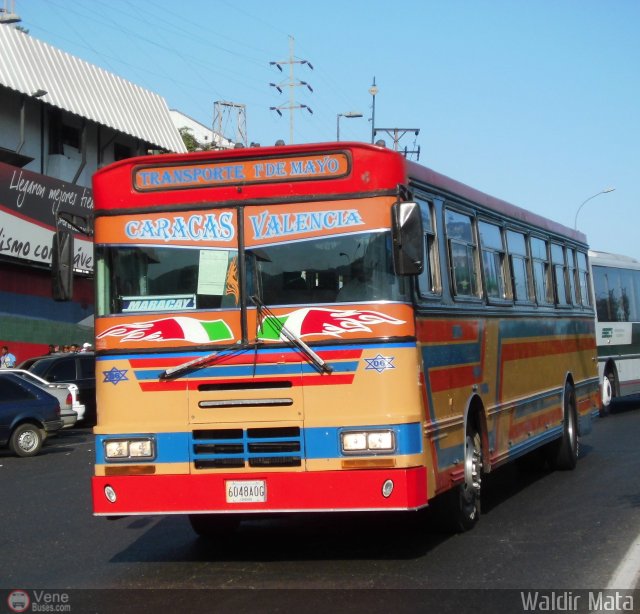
532,443
522,329
320,442
537,403
451,355
248,370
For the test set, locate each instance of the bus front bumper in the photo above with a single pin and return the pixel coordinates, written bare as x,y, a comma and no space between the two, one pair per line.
347,490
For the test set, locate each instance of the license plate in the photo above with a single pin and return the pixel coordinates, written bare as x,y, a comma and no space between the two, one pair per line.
246,491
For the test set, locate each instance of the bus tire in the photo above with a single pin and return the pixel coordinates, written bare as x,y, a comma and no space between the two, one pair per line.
462,503
215,526
565,451
609,391
26,440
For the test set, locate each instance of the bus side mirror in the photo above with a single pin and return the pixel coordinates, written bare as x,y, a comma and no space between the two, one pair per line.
408,238
62,265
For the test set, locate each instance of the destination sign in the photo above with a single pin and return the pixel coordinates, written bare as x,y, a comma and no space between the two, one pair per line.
230,172
158,303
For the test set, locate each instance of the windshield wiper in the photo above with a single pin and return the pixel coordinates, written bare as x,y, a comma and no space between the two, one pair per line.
208,359
293,339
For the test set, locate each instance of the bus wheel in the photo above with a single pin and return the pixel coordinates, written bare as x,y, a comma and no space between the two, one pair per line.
215,526
566,450
608,391
463,509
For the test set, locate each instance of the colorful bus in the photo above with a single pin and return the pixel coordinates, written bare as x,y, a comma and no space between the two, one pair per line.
616,285
327,328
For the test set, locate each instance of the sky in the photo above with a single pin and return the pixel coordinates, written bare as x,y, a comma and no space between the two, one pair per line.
536,102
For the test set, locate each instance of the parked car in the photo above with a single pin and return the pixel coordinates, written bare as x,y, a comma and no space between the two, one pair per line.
72,368
71,410
28,414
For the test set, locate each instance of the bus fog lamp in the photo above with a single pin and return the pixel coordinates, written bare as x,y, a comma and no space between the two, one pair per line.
387,488
110,494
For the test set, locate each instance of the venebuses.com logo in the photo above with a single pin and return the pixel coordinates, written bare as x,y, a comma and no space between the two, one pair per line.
38,601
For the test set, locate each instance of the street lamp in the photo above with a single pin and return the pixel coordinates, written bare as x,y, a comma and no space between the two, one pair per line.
605,191
373,90
350,114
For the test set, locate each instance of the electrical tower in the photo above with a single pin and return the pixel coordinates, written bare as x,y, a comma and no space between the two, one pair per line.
396,134
291,83
8,13
230,112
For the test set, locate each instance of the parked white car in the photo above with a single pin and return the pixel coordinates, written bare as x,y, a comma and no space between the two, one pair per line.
71,410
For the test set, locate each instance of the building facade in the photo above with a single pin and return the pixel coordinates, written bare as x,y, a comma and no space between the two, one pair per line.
61,119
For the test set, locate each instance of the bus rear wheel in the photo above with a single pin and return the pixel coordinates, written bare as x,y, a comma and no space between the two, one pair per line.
565,451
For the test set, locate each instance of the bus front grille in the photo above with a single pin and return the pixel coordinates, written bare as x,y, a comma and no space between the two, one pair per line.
254,447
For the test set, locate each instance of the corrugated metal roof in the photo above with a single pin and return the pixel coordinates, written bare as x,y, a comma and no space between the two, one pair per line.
27,65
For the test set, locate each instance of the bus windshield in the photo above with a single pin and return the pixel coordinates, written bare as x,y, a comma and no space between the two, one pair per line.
348,268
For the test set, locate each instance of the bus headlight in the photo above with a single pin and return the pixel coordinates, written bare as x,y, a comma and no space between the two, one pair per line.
368,441
126,449
141,448
116,449
380,440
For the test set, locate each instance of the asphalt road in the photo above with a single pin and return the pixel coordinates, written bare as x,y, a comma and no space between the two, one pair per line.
539,530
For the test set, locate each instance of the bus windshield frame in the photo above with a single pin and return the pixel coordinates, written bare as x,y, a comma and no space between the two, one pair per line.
354,267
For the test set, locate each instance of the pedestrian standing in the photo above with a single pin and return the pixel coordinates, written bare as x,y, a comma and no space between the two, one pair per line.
7,359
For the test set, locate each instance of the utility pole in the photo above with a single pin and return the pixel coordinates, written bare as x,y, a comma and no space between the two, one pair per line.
396,134
291,84
373,90
223,111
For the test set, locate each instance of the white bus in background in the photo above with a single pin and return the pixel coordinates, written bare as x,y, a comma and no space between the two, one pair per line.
616,286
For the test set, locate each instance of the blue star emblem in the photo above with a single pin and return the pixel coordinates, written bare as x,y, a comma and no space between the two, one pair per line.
380,363
115,376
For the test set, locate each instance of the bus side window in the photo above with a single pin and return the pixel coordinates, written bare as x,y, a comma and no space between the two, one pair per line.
633,294
572,276
429,280
583,279
541,271
559,274
462,254
493,260
520,266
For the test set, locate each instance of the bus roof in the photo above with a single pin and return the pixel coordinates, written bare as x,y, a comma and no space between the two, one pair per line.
457,189
613,260
372,169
